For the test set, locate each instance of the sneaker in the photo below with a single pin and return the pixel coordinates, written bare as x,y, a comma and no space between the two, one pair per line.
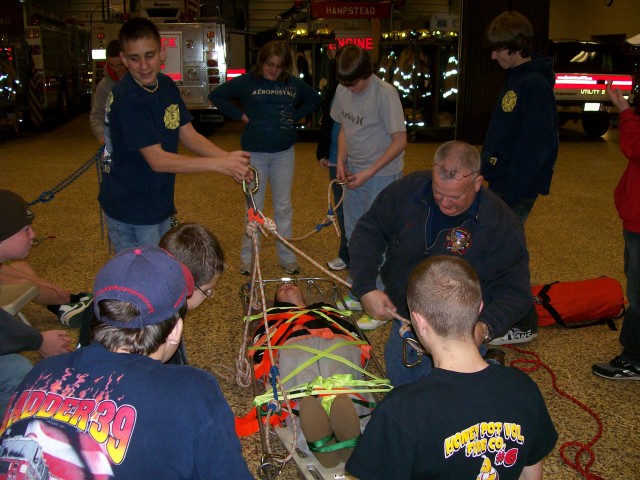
245,268
337,264
367,322
617,369
71,314
514,335
351,304
291,268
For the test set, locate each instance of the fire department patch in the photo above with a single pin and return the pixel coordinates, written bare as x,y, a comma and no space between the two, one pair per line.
509,101
172,117
458,241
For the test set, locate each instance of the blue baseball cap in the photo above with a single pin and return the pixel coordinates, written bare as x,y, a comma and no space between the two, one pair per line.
148,277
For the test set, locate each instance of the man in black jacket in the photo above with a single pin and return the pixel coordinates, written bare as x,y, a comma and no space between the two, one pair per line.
445,211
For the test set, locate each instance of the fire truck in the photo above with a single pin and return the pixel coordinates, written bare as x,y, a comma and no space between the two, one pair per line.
49,59
196,57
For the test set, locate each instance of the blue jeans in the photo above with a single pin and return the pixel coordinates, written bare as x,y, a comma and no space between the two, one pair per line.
357,202
13,368
396,371
630,333
276,169
124,235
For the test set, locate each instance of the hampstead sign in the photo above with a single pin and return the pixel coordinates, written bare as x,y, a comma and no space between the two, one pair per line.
350,9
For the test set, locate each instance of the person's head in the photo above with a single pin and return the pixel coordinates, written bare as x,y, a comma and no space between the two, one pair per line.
274,62
140,299
199,249
444,291
288,293
142,52
353,68
114,62
509,38
456,177
16,233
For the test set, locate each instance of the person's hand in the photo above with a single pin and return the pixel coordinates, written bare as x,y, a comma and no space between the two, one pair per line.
376,303
245,119
616,97
341,172
101,140
356,180
324,163
55,342
236,165
480,332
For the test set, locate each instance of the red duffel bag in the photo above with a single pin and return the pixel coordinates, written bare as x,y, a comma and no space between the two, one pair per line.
579,304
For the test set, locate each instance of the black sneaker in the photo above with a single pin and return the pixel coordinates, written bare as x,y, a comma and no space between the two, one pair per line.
617,369
514,335
71,314
522,332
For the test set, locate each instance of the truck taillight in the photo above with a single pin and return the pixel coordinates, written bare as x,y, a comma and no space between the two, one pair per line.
32,32
211,34
100,35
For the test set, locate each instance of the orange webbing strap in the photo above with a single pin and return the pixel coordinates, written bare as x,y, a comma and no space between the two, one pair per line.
248,425
283,324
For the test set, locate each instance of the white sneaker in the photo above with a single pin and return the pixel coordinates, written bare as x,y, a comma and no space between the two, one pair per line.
514,335
337,264
351,304
367,322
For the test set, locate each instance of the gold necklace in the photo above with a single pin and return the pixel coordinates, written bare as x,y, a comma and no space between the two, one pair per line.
148,89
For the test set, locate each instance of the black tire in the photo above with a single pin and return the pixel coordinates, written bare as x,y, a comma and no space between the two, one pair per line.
595,124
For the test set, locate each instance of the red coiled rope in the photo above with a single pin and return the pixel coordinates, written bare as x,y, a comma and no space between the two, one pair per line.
533,365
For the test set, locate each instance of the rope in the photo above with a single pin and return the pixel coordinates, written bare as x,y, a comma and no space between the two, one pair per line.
534,364
48,195
243,368
330,218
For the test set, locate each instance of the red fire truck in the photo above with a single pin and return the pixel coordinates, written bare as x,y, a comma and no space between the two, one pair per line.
196,61
50,59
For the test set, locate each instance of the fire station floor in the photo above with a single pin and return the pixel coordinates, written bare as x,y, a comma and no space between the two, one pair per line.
572,234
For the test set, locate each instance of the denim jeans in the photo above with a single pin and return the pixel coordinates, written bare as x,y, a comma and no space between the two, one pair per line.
396,371
357,202
275,169
630,333
124,235
13,368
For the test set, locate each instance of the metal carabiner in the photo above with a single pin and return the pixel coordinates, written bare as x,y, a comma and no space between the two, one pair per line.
410,348
249,190
252,210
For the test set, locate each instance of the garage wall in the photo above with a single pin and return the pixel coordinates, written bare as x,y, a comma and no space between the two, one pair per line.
263,13
580,19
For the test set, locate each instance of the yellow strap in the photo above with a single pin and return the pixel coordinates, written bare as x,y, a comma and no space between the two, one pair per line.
336,384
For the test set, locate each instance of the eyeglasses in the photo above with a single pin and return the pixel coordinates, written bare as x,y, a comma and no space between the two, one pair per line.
454,174
208,293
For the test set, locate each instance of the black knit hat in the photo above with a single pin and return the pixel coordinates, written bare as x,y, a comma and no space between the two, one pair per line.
15,214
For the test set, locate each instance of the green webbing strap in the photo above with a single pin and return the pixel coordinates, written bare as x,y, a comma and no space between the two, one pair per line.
334,385
317,355
321,446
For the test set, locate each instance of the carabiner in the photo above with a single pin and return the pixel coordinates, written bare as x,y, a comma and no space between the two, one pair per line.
410,348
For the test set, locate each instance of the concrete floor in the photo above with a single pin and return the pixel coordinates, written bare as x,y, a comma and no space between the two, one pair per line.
573,234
